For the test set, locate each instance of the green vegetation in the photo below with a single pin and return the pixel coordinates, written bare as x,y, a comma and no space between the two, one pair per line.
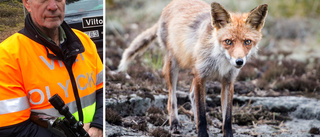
277,8
154,58
130,18
11,13
11,17
292,8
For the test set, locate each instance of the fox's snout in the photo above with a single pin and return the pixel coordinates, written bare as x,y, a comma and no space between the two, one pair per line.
238,62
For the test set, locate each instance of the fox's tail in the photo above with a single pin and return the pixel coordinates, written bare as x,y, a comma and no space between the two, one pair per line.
138,46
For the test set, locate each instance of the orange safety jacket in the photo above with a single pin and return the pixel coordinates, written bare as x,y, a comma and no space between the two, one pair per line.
32,69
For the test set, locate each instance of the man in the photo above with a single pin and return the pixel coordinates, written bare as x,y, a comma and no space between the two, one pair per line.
45,58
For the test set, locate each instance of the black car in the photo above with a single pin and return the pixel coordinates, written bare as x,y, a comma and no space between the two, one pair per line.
87,16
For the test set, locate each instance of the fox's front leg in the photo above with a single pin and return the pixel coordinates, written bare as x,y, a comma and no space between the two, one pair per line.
198,87
226,104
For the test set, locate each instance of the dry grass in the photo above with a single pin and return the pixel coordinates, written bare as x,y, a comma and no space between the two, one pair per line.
113,117
11,18
160,132
156,116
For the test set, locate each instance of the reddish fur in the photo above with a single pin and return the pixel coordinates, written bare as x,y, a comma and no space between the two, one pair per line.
229,99
200,99
166,73
238,31
182,16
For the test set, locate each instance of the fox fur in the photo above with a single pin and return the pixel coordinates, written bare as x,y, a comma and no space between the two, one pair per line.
209,40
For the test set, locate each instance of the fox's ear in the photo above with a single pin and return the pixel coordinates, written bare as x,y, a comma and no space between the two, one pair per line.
257,16
220,16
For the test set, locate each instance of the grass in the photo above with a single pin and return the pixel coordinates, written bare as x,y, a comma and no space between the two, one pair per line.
160,132
154,58
11,18
11,13
135,16
113,117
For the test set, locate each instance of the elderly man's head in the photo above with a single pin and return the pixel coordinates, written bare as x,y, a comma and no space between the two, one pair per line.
46,14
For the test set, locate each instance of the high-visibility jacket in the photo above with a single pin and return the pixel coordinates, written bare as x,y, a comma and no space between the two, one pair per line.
32,69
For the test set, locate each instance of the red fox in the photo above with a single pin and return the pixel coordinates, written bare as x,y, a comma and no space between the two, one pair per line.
209,40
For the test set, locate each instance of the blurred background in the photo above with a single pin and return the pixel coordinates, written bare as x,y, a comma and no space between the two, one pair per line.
276,93
11,17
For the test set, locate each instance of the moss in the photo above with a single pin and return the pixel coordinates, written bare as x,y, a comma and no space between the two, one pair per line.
217,115
160,132
140,124
154,110
11,13
273,73
243,119
156,119
247,73
155,116
315,131
294,67
297,84
283,68
146,95
113,117
2,28
291,8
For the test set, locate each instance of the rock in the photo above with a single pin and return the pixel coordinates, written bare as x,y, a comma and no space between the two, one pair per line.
134,105
308,110
303,111
113,131
299,107
301,127
276,104
116,131
265,130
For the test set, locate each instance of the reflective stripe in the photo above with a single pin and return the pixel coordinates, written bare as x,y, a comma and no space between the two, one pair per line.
85,101
99,78
14,105
88,113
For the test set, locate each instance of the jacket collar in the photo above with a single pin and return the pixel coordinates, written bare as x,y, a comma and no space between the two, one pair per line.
69,49
62,35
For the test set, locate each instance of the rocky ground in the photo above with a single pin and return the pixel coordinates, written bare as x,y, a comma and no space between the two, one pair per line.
272,98
276,94
253,116
137,107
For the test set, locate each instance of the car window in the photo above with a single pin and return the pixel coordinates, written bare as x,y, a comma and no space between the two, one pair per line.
76,6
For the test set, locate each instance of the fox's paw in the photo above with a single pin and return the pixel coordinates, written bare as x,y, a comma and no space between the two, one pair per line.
228,134
175,126
203,133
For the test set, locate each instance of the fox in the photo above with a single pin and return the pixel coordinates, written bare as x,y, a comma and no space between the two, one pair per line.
208,40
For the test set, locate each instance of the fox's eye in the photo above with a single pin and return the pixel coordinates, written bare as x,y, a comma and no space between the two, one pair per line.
228,42
247,42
